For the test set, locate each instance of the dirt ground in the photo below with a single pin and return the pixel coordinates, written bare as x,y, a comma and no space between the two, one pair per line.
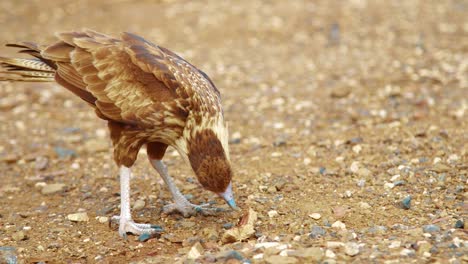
347,122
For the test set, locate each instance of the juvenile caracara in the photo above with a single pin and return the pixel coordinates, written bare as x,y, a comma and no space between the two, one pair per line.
149,96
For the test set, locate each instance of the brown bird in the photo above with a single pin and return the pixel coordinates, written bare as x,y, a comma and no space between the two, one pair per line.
149,96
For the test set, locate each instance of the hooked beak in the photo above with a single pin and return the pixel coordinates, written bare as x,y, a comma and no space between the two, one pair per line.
228,196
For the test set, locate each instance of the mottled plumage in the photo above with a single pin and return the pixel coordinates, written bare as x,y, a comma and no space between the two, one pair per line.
148,94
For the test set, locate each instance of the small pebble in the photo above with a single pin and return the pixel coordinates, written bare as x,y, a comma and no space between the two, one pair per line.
196,251
317,232
339,225
103,219
139,204
78,217
53,188
330,254
64,152
406,203
18,236
351,249
354,167
364,205
406,252
315,216
459,224
431,229
273,213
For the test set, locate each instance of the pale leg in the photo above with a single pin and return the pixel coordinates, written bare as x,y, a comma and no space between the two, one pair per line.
181,204
126,224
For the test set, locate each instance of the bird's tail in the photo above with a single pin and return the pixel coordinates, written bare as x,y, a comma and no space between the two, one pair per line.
36,69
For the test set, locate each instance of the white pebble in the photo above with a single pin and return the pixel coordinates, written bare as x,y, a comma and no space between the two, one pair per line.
348,194
78,217
139,204
395,177
354,166
75,166
351,249
389,185
357,149
103,219
406,252
395,244
258,256
315,216
339,225
334,244
273,213
437,160
364,205
453,158
330,254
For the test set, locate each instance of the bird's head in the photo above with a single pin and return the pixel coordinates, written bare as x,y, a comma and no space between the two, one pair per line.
209,159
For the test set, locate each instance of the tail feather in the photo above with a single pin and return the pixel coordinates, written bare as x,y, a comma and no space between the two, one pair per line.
28,70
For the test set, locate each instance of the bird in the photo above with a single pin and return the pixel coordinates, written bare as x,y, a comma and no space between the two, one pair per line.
150,97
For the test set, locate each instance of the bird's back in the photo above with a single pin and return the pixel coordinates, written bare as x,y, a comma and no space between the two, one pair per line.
146,92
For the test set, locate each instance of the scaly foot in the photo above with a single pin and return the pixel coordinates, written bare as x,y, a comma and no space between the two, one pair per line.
188,209
127,225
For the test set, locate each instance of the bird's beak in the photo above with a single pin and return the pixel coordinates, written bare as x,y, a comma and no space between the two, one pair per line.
228,196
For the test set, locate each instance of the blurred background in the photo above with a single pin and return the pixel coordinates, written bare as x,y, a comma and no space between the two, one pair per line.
328,101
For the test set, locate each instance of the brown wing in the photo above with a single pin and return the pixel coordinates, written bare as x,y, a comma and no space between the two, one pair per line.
133,81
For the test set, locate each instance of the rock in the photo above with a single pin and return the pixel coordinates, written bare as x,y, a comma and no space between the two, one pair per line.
423,246
315,216
273,213
431,229
340,211
242,232
363,172
138,205
406,202
351,249
312,254
330,254
339,225
64,152
335,244
18,236
41,163
53,188
406,252
210,234
103,219
78,217
340,92
364,205
96,145
317,232
459,224
280,260
196,251
354,167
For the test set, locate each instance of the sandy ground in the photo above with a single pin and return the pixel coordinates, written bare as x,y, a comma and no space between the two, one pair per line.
348,135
